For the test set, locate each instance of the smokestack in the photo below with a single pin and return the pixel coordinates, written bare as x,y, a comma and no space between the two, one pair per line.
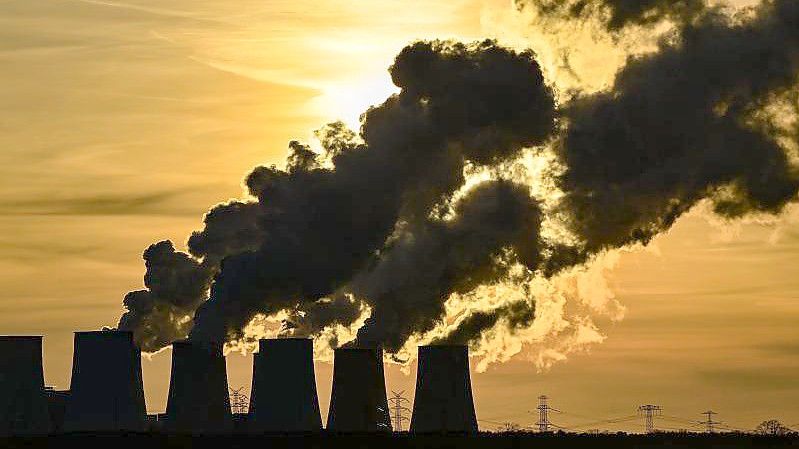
198,389
443,400
358,401
23,405
106,392
283,397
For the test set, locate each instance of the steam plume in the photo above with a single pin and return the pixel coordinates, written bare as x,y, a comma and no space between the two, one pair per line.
317,226
381,220
680,125
619,13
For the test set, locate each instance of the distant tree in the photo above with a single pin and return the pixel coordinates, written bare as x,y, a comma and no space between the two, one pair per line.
510,427
772,427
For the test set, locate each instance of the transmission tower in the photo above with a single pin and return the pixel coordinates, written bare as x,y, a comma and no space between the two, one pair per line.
709,422
649,411
543,414
398,409
239,402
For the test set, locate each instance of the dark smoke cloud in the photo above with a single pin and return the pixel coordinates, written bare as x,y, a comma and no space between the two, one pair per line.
317,226
519,315
617,14
675,128
364,223
177,283
495,225
310,319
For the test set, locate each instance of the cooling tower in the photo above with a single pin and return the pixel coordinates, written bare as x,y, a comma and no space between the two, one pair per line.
283,397
358,400
443,401
23,404
106,393
198,401
57,403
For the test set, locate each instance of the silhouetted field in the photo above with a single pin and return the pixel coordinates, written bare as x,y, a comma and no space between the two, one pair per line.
403,440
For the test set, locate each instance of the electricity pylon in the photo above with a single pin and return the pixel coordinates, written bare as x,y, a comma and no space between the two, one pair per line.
710,423
649,411
239,402
543,414
398,408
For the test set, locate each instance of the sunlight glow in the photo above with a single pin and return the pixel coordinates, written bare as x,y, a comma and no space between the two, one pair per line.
347,101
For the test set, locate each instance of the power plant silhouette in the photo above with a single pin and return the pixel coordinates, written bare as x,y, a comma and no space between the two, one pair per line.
283,396
443,399
358,401
106,392
22,395
198,399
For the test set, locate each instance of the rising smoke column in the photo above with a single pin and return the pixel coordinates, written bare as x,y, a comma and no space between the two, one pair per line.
496,225
459,104
618,14
678,126
362,224
315,226
178,283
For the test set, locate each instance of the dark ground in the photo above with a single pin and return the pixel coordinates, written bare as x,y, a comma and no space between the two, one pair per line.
404,440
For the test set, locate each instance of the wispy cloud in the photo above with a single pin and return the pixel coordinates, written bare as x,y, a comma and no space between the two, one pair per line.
160,203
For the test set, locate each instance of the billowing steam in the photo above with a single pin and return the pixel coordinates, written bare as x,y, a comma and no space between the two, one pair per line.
316,229
386,222
680,125
620,13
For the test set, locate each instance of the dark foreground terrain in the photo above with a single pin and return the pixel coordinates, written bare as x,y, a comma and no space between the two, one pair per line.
403,440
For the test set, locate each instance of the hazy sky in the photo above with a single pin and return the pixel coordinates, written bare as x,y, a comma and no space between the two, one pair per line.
121,122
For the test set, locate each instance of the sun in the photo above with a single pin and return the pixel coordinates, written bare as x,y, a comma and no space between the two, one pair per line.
346,101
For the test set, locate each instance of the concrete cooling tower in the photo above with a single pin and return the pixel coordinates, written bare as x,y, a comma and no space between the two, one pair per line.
443,401
358,400
23,404
283,397
106,393
198,401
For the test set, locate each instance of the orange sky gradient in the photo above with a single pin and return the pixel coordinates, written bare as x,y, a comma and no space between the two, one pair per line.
123,121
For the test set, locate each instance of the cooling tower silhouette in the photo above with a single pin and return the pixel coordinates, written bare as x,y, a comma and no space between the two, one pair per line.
443,401
106,393
283,397
198,399
23,404
358,400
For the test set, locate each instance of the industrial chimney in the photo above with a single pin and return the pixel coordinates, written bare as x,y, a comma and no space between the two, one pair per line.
198,401
443,401
358,400
106,392
283,397
23,404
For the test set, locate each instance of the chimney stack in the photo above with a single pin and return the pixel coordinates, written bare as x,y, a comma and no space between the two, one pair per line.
23,404
443,400
198,402
283,397
106,393
358,400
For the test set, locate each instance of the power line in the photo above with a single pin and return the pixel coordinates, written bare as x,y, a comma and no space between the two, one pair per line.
648,412
398,408
607,421
677,419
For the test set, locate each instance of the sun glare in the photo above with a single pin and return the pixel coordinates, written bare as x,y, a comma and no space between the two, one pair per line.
347,101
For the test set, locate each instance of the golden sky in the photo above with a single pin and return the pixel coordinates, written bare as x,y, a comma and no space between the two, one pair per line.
123,121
